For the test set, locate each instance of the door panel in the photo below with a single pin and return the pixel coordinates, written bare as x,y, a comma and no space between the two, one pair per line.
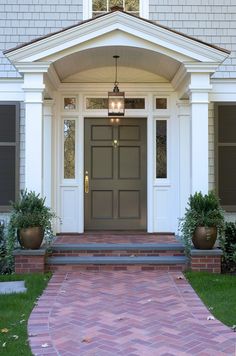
115,159
129,204
129,162
104,199
102,162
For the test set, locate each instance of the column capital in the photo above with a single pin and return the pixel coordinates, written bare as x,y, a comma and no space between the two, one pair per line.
32,67
199,87
33,87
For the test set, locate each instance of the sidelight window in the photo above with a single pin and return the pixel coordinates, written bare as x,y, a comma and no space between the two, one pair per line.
161,149
69,149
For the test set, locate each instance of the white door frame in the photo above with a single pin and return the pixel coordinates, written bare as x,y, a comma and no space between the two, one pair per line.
75,188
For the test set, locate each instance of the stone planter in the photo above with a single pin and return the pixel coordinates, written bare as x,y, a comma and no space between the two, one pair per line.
204,238
31,238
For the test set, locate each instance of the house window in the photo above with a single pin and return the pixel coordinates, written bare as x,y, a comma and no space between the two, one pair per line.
226,156
161,149
102,103
100,7
9,150
69,149
161,103
70,103
92,8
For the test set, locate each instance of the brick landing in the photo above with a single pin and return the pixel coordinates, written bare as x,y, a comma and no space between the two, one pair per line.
115,237
125,313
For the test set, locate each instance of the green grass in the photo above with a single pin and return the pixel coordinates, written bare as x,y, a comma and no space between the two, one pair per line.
14,313
217,291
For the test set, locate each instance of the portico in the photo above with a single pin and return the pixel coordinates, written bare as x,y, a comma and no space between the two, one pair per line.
169,72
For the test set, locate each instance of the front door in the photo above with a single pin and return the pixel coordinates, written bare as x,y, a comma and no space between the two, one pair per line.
115,174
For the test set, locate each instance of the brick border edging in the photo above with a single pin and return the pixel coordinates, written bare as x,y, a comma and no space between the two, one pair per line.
206,260
30,261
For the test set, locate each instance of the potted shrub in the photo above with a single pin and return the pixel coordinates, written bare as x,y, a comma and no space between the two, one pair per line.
30,221
202,220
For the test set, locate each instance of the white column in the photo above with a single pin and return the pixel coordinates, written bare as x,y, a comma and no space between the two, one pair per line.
33,88
185,153
47,151
199,91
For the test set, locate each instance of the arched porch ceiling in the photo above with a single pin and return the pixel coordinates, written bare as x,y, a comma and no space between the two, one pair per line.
134,65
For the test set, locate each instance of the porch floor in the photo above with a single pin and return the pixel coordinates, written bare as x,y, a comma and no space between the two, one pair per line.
125,313
115,237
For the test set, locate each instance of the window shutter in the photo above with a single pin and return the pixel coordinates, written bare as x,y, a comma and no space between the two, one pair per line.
9,144
227,156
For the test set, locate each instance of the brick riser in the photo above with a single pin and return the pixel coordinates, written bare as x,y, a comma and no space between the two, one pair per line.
136,267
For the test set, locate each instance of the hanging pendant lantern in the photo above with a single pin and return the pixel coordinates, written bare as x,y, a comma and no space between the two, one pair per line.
116,99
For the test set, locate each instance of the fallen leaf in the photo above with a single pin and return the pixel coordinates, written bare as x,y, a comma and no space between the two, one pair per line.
5,330
210,317
4,344
149,300
15,337
132,256
45,345
21,321
210,308
87,340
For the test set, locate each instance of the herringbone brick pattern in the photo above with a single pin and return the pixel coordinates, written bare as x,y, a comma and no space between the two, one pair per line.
125,313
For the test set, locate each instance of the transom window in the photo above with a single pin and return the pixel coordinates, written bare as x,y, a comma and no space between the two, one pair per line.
100,7
102,103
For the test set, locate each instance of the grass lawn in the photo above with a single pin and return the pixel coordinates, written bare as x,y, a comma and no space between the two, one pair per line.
218,291
14,313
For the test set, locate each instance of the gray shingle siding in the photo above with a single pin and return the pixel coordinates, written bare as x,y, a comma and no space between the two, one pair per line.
213,21
24,20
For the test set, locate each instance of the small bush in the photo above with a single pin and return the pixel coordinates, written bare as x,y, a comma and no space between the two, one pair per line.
5,267
228,245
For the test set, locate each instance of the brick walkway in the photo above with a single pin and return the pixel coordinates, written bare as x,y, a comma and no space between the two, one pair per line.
125,313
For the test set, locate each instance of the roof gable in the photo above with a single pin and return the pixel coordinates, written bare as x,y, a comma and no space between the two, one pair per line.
119,27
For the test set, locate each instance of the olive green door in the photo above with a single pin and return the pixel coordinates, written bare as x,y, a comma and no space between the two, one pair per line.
115,174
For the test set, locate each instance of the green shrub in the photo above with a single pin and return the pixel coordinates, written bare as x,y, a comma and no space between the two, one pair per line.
29,211
202,210
5,267
228,245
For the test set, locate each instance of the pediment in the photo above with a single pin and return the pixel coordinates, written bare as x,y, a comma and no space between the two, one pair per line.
117,29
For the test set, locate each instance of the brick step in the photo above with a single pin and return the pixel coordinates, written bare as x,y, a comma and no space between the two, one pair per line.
117,263
118,249
117,260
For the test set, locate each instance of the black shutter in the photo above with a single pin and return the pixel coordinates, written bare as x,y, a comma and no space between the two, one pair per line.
9,148
227,156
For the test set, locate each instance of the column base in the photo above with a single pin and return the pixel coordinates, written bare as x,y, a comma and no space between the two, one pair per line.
206,260
29,261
